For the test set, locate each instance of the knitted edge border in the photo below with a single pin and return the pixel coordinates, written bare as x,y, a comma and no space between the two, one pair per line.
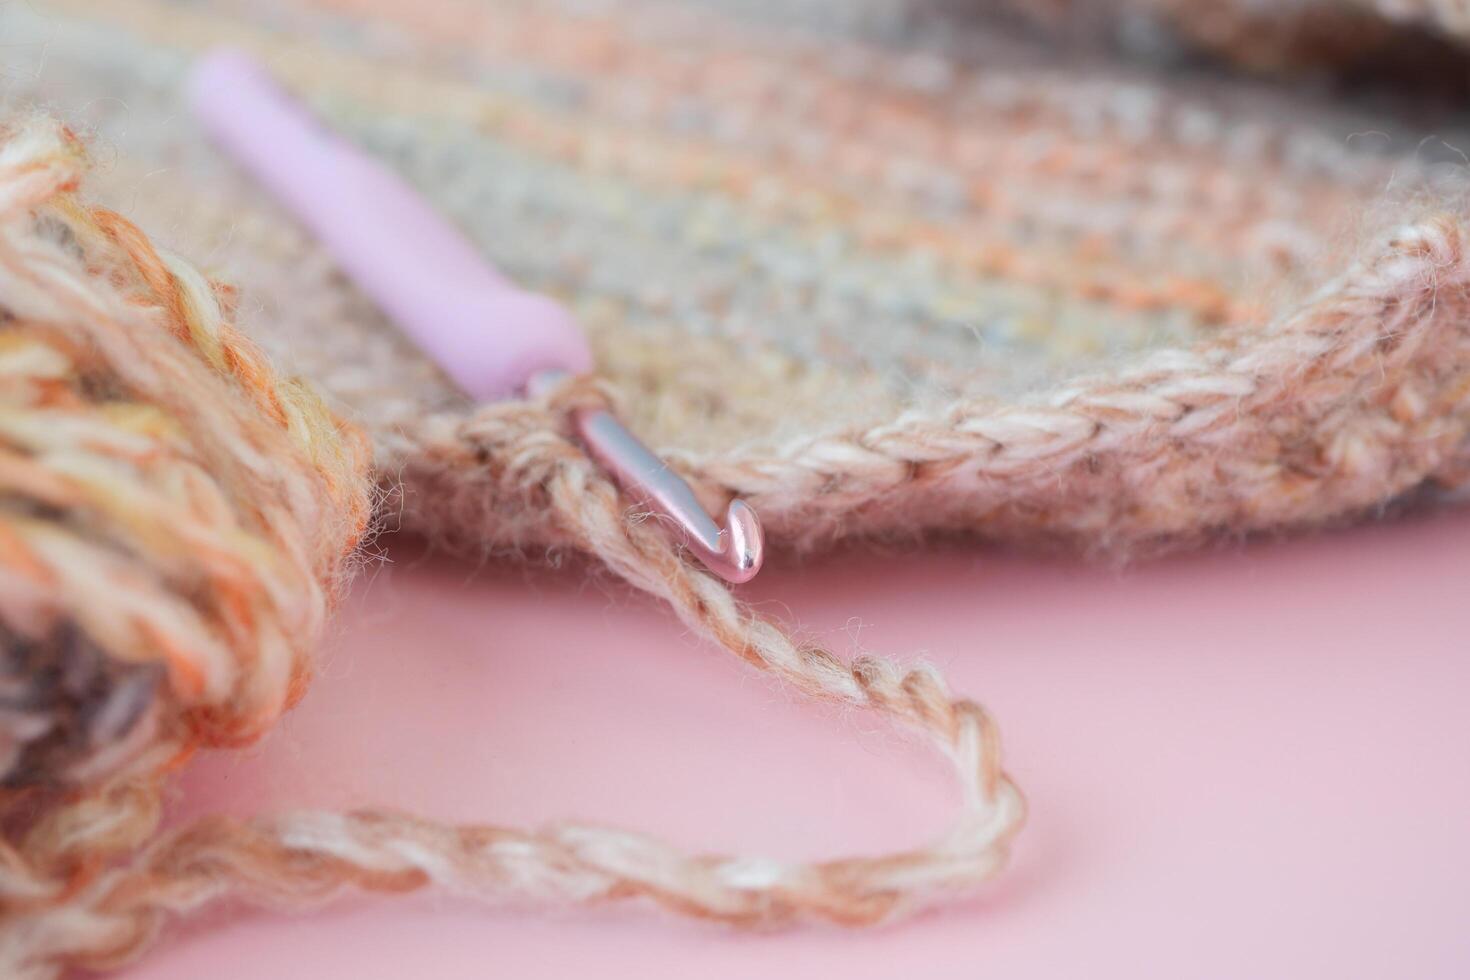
1355,398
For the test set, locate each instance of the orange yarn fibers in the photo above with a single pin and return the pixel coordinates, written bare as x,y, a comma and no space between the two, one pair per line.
175,523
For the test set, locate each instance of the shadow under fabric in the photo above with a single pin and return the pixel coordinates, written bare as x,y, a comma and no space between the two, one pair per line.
971,283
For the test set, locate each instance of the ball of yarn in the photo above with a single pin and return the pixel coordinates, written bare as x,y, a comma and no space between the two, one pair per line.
175,523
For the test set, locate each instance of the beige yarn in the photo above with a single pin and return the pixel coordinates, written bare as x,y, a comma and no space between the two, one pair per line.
181,506
175,523
1175,354
1201,408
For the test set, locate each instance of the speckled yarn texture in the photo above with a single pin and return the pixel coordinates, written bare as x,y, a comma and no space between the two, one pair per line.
1119,276
879,267
175,519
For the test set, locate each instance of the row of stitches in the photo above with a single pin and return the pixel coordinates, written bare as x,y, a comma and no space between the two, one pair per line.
984,146
691,53
984,246
1021,251
954,303
702,261
298,303
294,298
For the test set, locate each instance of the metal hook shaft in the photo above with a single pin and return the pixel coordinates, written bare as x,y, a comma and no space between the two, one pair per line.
734,552
440,290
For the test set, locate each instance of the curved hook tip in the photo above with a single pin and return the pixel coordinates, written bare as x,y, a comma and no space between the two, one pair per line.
734,552
742,544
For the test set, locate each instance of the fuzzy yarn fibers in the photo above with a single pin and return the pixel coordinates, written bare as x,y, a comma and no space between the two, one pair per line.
877,267
174,523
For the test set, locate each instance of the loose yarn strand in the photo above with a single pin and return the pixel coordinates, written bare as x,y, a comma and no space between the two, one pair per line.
1365,389
175,524
1394,310
308,857
262,507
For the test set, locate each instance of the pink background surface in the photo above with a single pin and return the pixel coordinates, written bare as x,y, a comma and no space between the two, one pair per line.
1252,762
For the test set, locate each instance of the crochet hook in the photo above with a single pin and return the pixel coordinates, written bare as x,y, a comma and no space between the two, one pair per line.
491,338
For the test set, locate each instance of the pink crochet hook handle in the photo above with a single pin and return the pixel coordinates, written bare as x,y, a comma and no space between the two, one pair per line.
493,339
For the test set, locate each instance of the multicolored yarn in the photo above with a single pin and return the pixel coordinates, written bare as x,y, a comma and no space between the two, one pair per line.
970,282
173,522
845,260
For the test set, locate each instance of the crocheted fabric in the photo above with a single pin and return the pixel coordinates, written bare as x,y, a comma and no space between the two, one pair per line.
175,519
1122,274
1045,272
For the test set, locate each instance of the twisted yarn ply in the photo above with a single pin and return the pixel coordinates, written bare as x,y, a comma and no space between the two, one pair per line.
174,521
877,269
